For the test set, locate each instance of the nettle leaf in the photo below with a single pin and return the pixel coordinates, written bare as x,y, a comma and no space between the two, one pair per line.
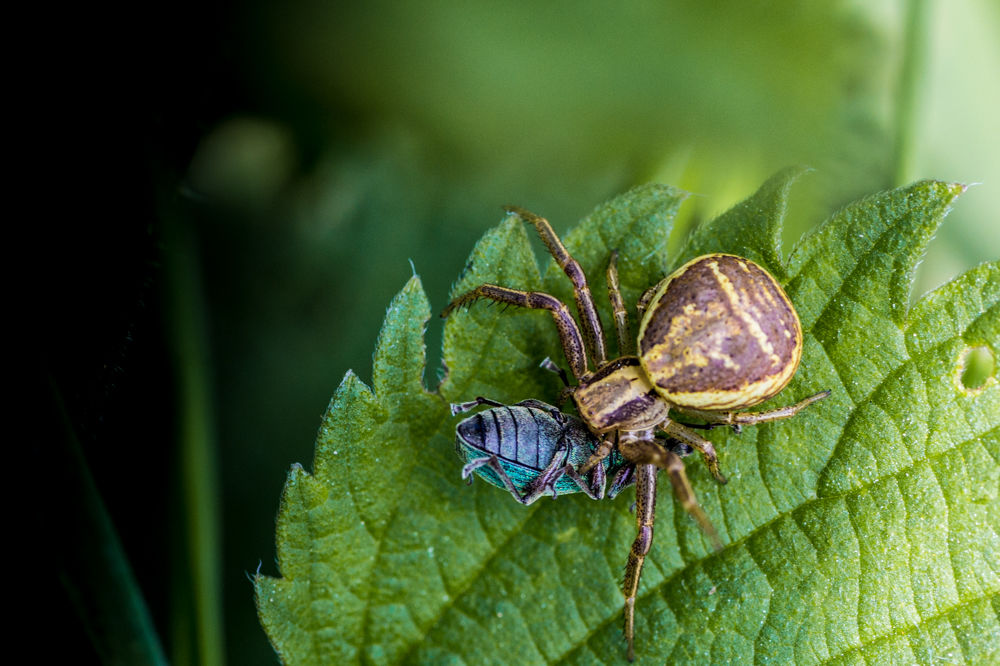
865,529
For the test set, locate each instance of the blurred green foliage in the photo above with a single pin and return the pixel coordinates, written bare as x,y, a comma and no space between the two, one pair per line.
344,140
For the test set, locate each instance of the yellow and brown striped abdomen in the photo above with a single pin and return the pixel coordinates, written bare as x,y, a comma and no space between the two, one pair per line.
720,334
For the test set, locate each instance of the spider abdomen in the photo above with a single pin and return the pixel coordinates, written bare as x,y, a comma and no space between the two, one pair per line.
720,334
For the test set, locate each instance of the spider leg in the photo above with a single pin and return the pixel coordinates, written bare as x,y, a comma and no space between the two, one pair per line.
737,419
603,450
642,449
546,480
644,300
685,495
645,513
618,306
709,426
592,330
569,333
689,437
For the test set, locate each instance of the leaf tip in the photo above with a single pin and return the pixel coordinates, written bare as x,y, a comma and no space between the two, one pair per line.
414,287
296,472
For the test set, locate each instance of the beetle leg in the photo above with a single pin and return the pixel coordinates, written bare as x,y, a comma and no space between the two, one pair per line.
569,333
531,403
689,437
618,306
546,480
551,366
594,489
458,408
567,390
592,329
645,513
621,480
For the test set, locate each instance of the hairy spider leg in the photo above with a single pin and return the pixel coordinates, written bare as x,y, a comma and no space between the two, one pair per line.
641,448
618,306
691,438
646,297
569,333
645,513
593,331
737,419
689,502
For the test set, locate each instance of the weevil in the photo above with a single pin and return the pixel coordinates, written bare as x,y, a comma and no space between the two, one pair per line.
717,336
532,449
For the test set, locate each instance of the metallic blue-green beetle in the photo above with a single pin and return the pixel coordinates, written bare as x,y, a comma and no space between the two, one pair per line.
532,449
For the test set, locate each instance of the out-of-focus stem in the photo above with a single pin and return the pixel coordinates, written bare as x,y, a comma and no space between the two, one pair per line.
186,314
912,71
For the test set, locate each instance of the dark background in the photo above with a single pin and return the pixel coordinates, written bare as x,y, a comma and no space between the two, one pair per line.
234,193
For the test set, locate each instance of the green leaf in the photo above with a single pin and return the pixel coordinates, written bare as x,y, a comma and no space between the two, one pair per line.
865,529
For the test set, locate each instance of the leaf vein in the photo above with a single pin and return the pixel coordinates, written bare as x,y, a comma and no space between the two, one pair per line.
947,614
742,542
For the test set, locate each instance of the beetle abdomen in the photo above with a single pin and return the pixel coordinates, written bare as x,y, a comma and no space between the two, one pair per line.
512,434
525,441
720,334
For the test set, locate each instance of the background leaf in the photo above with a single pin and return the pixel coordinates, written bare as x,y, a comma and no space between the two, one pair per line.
864,529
